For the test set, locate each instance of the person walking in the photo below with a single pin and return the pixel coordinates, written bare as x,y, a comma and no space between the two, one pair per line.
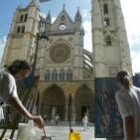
128,101
56,119
8,89
85,122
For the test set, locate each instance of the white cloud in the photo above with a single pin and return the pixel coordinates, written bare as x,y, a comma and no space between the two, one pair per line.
136,62
42,14
88,35
86,15
130,10
2,45
53,19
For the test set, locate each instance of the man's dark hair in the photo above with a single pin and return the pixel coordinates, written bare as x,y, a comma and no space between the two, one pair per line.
17,66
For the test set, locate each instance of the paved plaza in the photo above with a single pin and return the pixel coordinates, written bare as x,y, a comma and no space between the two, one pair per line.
62,133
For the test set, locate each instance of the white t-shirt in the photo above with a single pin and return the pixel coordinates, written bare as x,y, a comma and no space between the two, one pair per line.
8,88
129,105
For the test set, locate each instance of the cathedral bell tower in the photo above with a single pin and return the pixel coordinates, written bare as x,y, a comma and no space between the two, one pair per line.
110,45
22,35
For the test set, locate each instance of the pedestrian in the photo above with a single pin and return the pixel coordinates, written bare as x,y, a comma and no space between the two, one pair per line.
8,89
85,122
56,119
128,100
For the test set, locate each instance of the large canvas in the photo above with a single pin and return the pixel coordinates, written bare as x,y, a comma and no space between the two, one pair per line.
108,123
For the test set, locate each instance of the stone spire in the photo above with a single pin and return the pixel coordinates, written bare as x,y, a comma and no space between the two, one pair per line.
78,16
33,3
48,18
78,20
48,22
64,7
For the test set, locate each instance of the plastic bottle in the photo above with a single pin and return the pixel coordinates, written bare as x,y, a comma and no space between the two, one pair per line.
28,132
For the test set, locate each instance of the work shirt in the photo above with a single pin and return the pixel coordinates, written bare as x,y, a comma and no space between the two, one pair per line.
129,105
8,88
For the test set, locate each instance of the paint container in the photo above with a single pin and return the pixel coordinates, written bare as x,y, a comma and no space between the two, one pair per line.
74,136
26,131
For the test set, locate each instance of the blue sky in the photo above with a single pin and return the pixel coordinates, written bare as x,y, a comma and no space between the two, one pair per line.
7,8
130,9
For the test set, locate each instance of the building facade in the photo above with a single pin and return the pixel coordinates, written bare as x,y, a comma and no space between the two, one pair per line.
65,68
110,44
63,65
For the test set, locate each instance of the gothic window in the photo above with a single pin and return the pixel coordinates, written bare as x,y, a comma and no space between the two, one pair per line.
106,22
18,29
69,75
113,70
60,53
105,8
47,75
54,75
62,75
108,41
23,29
63,18
25,19
21,18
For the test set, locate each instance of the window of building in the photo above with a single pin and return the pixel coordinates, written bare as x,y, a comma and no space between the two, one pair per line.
23,29
21,18
54,75
113,70
63,18
25,19
105,8
62,75
47,75
109,41
69,75
106,22
18,29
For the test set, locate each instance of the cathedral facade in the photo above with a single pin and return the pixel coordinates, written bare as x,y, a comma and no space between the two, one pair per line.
63,65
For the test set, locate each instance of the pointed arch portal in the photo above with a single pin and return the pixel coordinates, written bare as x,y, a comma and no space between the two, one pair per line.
84,103
53,103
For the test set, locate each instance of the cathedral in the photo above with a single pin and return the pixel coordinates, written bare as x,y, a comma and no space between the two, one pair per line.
63,65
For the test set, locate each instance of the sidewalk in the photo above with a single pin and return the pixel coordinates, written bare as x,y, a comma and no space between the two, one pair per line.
62,133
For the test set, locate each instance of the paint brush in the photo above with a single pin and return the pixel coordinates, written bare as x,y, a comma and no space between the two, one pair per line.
44,132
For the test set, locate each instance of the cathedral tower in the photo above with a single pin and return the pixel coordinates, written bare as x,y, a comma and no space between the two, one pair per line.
21,38
110,45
